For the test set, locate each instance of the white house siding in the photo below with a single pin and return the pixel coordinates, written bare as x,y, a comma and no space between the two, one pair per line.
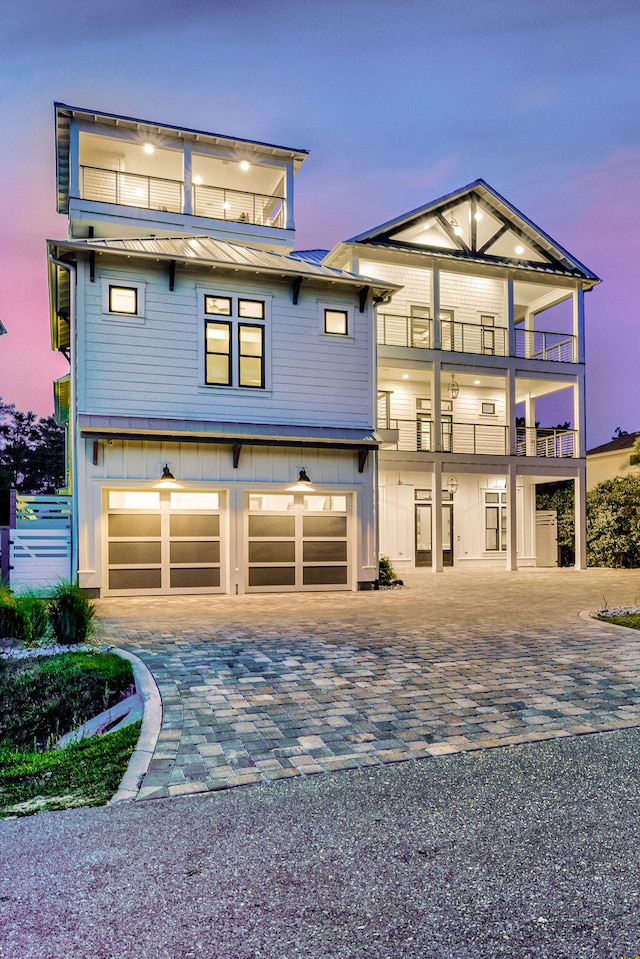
416,285
155,367
199,467
471,296
606,466
397,517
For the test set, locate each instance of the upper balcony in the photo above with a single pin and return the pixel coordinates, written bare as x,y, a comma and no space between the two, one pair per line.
484,338
123,177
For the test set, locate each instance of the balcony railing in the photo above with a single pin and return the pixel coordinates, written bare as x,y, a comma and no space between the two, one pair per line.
535,345
156,193
416,436
130,189
219,203
418,333
537,441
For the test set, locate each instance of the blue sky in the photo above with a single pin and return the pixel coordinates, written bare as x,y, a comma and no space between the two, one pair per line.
398,104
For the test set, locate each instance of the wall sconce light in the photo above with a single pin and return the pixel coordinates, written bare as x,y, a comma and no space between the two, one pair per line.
302,484
452,484
453,388
167,480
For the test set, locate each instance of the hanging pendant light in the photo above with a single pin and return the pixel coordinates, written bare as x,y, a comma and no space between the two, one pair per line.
453,388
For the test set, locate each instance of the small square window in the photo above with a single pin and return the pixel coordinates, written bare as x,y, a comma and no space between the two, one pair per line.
218,305
335,322
123,299
488,408
251,309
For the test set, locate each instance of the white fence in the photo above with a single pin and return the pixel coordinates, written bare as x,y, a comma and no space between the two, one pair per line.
38,547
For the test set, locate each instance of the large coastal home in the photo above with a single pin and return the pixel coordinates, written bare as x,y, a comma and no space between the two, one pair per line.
484,339
613,459
244,417
222,391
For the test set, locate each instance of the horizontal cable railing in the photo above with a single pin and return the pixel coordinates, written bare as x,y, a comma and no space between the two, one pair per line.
541,441
474,338
131,189
536,345
218,203
405,331
477,438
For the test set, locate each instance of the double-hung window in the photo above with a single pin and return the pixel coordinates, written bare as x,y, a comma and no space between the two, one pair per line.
234,341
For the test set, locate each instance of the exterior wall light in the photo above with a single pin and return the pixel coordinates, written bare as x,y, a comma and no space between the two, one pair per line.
452,484
302,484
453,388
167,480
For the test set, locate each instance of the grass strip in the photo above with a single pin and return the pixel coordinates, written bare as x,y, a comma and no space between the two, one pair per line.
632,620
87,773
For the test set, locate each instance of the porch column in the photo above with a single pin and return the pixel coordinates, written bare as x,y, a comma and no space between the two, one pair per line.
512,438
580,496
530,424
578,324
512,520
289,197
435,301
511,327
187,200
579,417
436,538
436,407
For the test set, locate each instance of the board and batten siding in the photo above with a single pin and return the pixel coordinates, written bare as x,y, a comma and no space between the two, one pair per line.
154,367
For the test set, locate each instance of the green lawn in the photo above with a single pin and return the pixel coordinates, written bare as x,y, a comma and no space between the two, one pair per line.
629,619
41,699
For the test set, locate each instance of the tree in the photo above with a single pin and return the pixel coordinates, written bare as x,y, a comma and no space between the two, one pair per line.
32,451
617,433
613,523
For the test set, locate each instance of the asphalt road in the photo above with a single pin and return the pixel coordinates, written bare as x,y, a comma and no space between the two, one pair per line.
526,852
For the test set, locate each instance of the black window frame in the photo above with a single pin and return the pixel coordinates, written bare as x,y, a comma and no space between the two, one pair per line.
345,313
208,352
250,326
131,289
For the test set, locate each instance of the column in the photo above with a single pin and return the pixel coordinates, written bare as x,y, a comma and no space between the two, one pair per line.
580,490
288,197
435,306
187,200
436,408
436,519
578,324
512,520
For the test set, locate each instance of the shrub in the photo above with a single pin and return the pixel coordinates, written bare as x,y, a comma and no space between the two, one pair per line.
23,617
71,615
613,523
386,574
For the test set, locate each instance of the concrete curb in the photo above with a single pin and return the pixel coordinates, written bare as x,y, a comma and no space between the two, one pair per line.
151,723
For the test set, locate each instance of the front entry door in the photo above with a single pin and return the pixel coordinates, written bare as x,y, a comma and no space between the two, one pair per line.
423,534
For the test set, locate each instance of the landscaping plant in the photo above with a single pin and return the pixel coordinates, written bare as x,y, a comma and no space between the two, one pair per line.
386,575
71,615
23,617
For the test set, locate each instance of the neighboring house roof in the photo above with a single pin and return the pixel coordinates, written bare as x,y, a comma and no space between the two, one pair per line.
541,252
64,113
619,443
206,250
214,431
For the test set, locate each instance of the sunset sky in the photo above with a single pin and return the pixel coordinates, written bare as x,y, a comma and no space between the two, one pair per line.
399,103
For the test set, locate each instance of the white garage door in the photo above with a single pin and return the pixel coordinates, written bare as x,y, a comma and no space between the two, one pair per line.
163,542
298,541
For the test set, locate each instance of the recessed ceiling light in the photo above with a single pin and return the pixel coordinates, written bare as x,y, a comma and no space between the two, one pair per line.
476,382
245,165
405,376
519,249
478,215
197,180
148,148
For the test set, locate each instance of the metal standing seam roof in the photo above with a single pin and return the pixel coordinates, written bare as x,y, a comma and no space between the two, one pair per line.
501,204
180,430
206,250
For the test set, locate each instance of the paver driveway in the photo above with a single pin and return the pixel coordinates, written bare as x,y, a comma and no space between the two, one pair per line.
264,687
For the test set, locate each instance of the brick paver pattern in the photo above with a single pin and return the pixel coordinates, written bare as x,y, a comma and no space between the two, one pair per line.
261,688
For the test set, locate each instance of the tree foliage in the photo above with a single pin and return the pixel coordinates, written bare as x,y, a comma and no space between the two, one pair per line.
32,451
613,523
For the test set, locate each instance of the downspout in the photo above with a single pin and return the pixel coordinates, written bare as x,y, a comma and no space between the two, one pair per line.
71,269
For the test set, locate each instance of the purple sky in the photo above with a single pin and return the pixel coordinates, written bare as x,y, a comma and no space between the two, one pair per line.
399,103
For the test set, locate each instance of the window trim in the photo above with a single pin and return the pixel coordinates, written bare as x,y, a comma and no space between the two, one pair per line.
114,282
228,354
330,306
235,323
250,326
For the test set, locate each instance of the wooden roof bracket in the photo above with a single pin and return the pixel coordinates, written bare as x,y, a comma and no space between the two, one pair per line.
172,275
363,297
362,459
237,448
295,289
